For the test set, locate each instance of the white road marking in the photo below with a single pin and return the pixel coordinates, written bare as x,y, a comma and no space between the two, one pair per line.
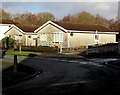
95,62
70,83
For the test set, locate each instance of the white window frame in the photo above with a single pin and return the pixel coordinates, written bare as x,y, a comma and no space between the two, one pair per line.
60,37
43,37
18,37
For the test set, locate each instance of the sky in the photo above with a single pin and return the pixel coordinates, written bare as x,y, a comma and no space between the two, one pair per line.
105,8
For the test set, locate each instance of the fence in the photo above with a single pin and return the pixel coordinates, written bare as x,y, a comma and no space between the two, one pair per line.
39,49
102,49
64,47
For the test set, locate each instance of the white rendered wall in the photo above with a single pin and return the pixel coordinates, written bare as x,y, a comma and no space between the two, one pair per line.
3,29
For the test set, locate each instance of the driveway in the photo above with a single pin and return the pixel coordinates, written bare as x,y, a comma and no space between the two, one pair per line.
73,77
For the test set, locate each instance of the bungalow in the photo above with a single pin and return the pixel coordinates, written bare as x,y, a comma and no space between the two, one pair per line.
24,34
69,35
3,29
5,25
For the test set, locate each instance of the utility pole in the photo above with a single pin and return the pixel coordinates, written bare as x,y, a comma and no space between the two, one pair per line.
60,47
86,48
7,41
15,63
119,46
15,60
20,47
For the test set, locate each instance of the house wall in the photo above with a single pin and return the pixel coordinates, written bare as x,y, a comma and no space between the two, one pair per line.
32,40
107,38
77,40
83,39
80,39
25,40
49,29
3,29
13,32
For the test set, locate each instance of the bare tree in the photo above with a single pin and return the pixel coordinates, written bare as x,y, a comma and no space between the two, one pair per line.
5,15
43,17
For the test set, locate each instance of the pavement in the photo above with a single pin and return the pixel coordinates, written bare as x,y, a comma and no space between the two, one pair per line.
8,60
63,75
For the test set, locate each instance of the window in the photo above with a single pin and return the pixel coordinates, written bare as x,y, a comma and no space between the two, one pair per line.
43,37
18,37
96,37
57,37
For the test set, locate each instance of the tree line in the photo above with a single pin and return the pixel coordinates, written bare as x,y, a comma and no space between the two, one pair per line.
40,18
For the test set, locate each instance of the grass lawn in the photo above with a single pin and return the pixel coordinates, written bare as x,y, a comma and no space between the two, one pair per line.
22,53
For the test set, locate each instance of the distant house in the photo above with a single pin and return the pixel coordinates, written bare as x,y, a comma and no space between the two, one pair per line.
73,35
3,29
24,34
5,25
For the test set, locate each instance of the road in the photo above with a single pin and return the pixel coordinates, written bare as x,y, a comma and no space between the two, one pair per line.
70,77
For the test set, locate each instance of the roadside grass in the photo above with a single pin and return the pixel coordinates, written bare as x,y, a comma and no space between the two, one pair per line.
10,78
22,53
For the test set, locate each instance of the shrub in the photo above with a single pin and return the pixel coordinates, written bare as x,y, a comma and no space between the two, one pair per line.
40,49
7,42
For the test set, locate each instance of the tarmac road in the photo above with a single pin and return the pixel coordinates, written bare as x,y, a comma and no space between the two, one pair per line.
68,77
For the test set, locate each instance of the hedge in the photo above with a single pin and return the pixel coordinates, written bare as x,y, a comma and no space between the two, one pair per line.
39,49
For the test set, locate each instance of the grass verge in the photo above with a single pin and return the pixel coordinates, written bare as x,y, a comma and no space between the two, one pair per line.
10,78
22,53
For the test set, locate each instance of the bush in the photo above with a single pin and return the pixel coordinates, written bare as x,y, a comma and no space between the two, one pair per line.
7,42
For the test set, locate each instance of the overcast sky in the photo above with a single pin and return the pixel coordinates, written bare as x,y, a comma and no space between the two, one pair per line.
106,9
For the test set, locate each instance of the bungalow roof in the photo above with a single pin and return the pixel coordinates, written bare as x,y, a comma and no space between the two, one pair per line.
24,29
83,27
28,29
3,21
